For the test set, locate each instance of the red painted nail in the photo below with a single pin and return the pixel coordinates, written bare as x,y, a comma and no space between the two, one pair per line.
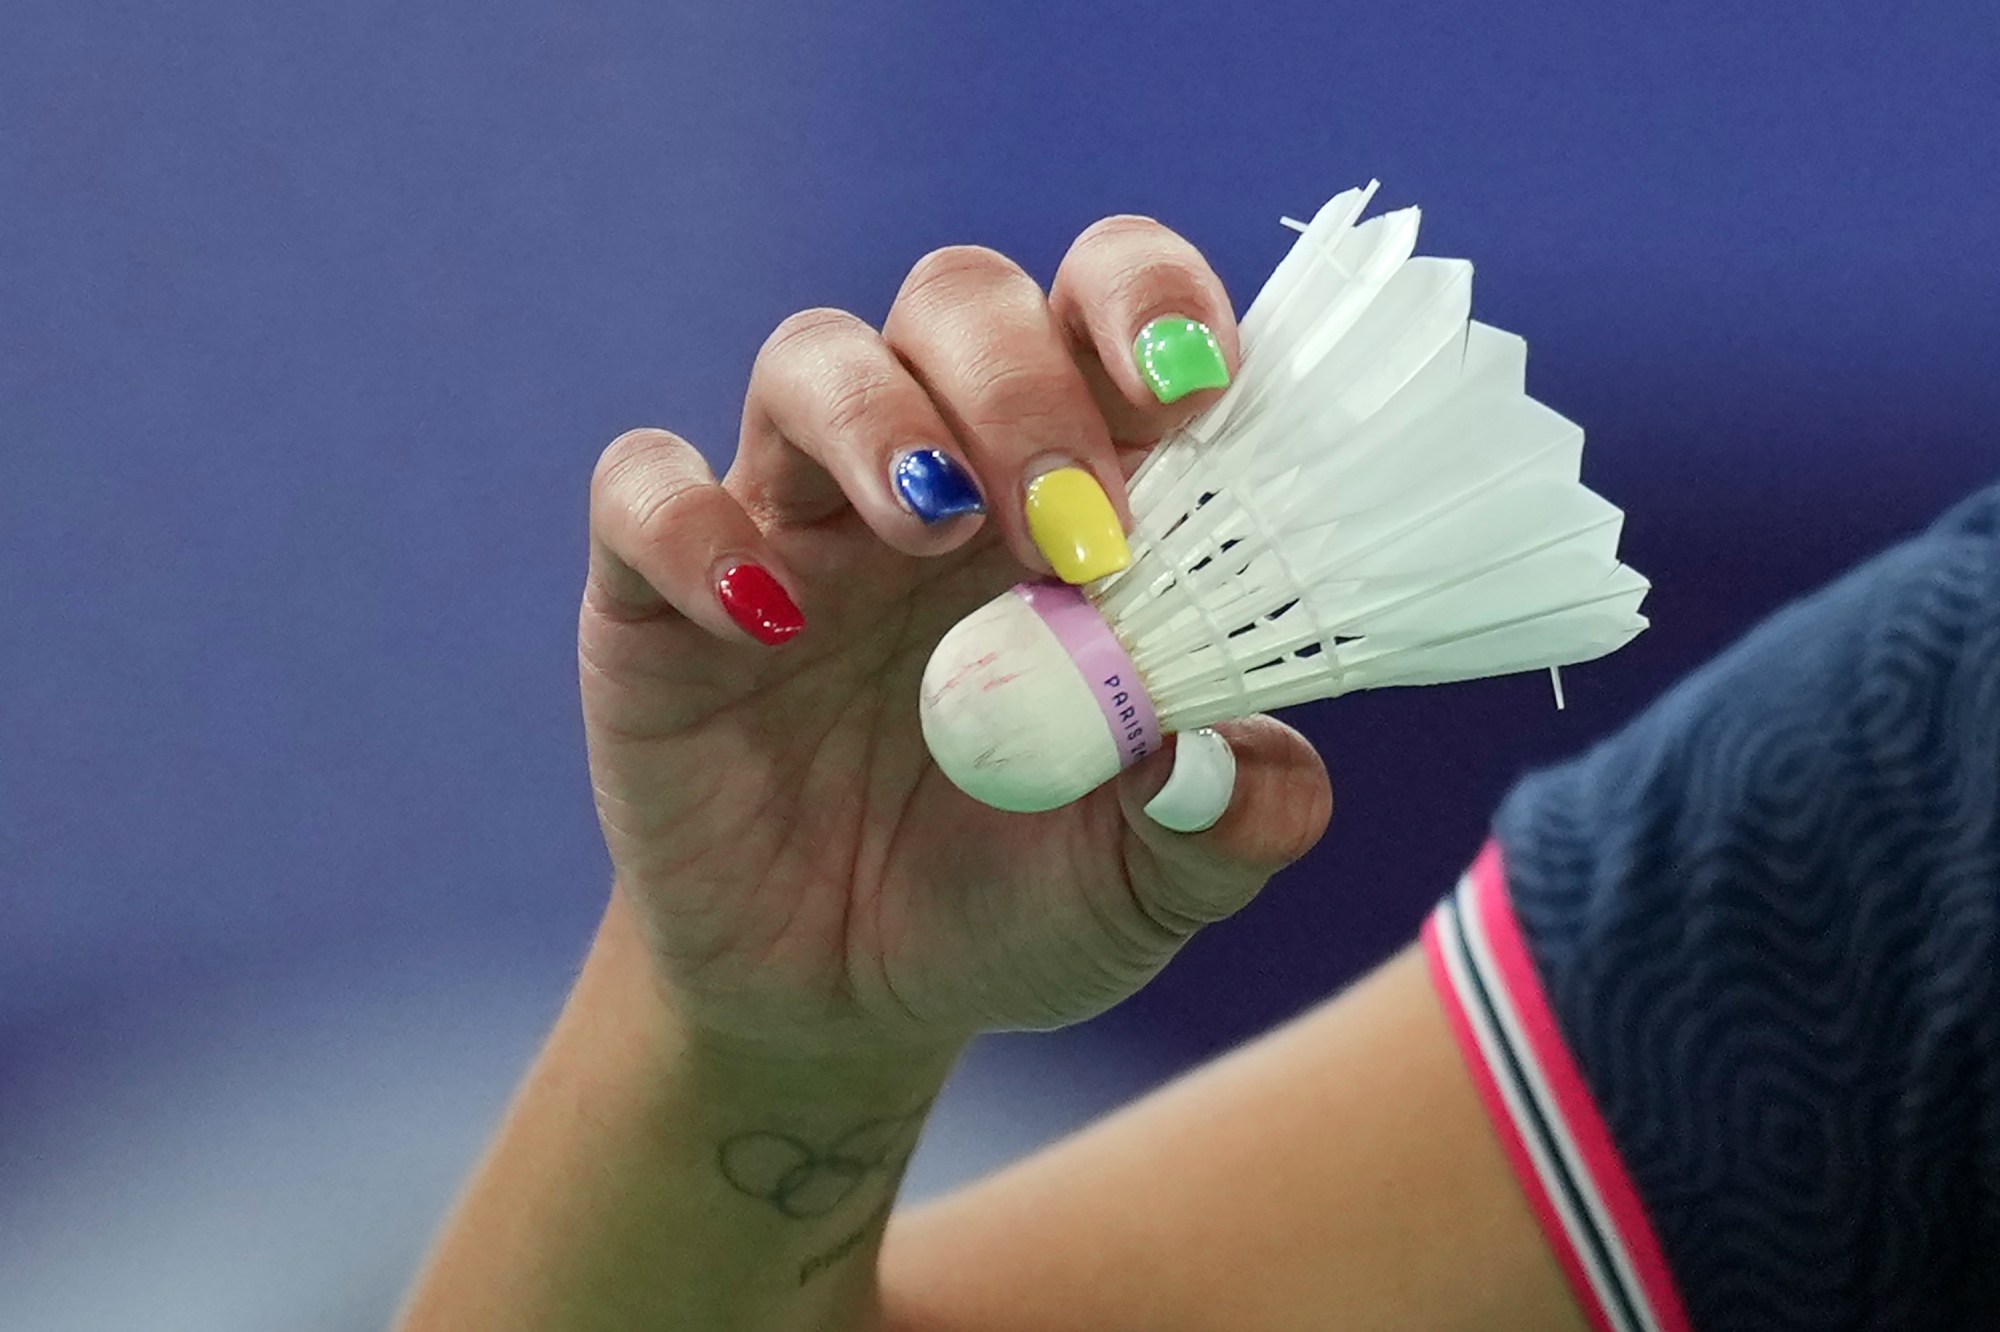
759,603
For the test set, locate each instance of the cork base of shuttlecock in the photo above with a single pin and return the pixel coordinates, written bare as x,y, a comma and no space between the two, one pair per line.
1030,702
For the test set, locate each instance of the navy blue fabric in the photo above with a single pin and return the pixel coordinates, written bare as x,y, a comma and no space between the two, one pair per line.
1768,918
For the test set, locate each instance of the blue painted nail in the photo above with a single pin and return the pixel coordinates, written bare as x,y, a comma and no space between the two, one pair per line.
933,486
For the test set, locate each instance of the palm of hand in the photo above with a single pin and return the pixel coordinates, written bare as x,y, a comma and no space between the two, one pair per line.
800,860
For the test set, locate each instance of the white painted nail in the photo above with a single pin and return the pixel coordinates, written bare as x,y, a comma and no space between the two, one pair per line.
1197,793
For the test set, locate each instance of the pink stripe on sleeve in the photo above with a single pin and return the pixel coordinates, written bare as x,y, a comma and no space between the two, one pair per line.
1502,1119
1574,1101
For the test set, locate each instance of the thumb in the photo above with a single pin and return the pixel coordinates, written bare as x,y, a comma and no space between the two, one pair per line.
1237,833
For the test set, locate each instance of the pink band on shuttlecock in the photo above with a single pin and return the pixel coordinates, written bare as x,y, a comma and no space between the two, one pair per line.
1102,661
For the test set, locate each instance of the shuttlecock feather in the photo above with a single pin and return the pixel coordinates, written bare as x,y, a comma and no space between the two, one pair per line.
1374,501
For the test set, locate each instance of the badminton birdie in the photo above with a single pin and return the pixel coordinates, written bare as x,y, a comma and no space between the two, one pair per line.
1374,501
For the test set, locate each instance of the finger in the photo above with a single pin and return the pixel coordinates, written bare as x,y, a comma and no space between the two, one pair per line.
833,419
1279,807
1150,323
664,534
977,333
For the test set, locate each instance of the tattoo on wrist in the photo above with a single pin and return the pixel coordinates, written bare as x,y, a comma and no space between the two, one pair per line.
803,1179
847,1243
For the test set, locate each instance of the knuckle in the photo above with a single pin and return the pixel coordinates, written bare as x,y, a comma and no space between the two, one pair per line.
958,271
655,511
856,396
623,456
836,362
1117,229
1155,280
1133,264
642,474
1002,390
806,334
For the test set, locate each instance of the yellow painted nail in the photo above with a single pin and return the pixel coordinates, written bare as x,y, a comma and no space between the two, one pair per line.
1074,526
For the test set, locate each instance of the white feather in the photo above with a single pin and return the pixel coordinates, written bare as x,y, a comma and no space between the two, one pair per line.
1373,501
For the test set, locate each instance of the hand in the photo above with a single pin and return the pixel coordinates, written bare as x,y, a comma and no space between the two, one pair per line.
801,872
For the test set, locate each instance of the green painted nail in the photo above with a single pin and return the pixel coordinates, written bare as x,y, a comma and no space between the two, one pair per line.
1179,356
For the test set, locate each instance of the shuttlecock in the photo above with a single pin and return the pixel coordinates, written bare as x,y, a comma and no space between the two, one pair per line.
1374,501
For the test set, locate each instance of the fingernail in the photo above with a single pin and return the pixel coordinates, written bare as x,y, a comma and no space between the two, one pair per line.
1197,793
933,485
1179,356
758,603
1074,526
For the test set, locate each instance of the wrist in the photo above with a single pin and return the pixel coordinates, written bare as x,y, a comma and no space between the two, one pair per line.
649,1171
839,1061
805,1140
834,1069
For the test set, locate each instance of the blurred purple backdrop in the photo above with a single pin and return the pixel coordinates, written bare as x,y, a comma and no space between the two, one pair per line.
313,320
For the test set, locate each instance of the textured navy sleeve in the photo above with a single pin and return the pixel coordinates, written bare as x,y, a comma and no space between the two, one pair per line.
1766,921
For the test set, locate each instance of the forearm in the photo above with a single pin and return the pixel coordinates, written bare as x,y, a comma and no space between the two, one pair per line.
648,1178
1339,1172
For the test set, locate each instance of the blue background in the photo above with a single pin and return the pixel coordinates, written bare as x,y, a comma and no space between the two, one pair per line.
314,319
